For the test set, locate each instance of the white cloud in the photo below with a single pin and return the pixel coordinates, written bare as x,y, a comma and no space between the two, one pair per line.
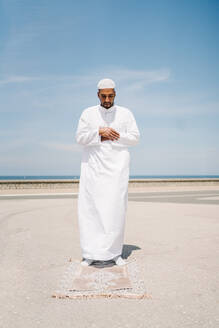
123,76
173,160
17,144
67,147
71,93
142,77
18,79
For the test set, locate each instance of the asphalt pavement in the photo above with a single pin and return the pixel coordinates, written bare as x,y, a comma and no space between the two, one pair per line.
173,233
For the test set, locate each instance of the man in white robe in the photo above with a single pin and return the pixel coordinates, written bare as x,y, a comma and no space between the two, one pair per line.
105,131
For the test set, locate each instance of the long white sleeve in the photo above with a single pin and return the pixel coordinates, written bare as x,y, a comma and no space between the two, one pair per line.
85,134
132,135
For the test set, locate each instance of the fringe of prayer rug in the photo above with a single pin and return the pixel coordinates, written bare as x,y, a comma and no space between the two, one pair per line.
96,281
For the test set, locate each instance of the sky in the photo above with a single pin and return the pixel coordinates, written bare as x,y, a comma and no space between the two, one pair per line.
162,55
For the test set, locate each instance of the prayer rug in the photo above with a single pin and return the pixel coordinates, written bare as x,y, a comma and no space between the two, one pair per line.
101,280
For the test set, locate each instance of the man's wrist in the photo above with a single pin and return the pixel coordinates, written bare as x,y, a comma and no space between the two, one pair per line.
100,131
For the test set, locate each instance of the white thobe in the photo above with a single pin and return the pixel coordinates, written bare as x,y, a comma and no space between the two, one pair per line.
103,186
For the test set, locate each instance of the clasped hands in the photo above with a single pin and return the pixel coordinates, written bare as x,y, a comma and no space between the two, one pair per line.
108,133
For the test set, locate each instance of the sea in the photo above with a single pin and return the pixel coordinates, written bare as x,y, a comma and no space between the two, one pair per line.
61,177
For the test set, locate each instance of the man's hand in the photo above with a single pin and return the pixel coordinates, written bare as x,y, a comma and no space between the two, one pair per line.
104,138
108,133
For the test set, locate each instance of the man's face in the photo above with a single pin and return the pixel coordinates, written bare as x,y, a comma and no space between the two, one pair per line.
106,97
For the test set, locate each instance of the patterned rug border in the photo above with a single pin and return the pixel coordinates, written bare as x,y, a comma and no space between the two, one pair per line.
135,270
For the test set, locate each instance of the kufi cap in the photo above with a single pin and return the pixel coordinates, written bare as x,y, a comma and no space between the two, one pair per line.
106,84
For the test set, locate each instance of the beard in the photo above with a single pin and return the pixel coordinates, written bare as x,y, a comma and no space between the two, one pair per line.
107,104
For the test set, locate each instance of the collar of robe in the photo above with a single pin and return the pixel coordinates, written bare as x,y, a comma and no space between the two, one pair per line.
107,110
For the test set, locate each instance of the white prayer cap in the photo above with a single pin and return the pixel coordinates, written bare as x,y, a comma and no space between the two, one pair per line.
106,84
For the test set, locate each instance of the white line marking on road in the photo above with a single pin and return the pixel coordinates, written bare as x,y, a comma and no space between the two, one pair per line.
167,195
56,194
209,198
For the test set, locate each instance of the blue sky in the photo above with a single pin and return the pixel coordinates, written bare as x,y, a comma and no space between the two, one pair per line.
163,56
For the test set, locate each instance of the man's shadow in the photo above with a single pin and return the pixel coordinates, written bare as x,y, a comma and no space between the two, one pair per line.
128,249
126,252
